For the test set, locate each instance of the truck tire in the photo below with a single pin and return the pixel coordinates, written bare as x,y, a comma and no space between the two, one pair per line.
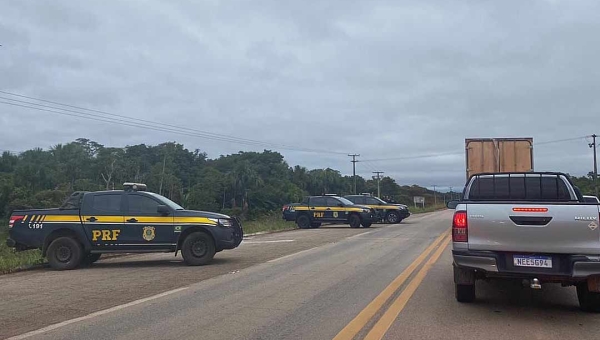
303,222
198,249
393,217
90,258
367,224
315,225
354,221
64,253
464,293
588,301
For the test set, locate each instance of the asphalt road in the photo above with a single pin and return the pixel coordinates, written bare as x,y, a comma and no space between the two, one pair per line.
392,282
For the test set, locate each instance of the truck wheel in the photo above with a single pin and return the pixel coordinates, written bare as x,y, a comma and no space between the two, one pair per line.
354,221
588,301
464,293
392,217
90,258
198,249
367,224
303,222
64,253
315,224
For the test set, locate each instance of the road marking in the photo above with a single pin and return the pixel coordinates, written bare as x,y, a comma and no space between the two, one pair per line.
271,241
297,253
385,322
95,314
361,234
350,331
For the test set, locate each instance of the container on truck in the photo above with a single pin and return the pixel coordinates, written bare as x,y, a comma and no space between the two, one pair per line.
485,155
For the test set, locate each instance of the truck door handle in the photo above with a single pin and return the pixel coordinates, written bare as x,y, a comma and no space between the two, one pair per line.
313,208
91,219
328,208
132,220
530,220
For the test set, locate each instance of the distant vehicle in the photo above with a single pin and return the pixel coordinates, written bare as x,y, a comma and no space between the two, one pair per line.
132,220
486,155
591,199
526,226
315,210
384,211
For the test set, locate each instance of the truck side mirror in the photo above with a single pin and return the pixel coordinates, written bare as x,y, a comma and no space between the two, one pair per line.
452,204
163,210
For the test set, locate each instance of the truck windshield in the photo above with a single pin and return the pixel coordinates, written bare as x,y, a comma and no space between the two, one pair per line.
166,201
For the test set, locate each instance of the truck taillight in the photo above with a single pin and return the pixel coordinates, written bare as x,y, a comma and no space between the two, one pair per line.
460,227
13,220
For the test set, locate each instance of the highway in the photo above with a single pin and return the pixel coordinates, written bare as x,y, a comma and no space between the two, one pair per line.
384,282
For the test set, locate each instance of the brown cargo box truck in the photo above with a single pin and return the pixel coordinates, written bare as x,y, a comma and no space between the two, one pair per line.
498,155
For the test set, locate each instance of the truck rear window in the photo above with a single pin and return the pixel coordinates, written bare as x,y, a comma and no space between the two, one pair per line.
530,188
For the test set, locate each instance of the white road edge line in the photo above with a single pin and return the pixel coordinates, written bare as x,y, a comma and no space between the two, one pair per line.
95,314
293,254
361,234
267,241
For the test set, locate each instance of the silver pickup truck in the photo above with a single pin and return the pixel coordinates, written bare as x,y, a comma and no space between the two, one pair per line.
533,227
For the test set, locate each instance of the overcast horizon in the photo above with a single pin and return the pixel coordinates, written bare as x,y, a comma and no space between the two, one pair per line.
383,79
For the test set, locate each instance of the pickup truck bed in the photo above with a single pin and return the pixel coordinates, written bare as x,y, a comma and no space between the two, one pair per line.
534,227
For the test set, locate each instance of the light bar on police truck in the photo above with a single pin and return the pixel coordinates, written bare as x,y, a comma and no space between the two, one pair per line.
134,186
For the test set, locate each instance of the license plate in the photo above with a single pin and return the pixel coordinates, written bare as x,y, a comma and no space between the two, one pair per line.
532,261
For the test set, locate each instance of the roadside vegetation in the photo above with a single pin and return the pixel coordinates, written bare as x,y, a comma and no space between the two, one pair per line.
9,259
431,208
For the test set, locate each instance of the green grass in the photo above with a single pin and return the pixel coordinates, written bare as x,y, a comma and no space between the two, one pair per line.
11,260
420,210
272,222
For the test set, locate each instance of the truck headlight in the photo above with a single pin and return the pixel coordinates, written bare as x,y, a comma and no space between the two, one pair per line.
222,221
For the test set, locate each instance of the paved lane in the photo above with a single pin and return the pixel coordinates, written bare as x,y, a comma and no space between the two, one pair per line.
312,294
502,311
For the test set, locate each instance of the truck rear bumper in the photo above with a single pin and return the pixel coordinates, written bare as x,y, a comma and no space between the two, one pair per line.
497,264
484,263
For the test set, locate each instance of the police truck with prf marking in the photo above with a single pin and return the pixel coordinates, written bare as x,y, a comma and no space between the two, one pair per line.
315,210
132,220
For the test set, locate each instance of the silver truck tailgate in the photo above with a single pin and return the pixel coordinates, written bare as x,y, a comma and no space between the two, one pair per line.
563,228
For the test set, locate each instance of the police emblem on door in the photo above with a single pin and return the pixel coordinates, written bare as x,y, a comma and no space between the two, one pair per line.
335,214
148,233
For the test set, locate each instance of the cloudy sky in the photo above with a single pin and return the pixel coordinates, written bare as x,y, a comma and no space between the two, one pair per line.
383,79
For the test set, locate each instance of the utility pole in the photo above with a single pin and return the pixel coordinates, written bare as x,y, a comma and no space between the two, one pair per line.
593,145
378,180
434,195
354,168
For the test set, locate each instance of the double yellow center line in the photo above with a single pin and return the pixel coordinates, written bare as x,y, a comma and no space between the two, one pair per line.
387,319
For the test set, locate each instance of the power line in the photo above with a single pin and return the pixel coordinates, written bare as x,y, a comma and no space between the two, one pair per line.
414,157
117,115
462,152
560,140
133,122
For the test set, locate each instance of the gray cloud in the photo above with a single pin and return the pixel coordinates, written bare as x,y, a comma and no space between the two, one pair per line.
385,79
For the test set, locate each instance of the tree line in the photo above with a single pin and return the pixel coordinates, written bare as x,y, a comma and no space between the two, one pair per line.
246,184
